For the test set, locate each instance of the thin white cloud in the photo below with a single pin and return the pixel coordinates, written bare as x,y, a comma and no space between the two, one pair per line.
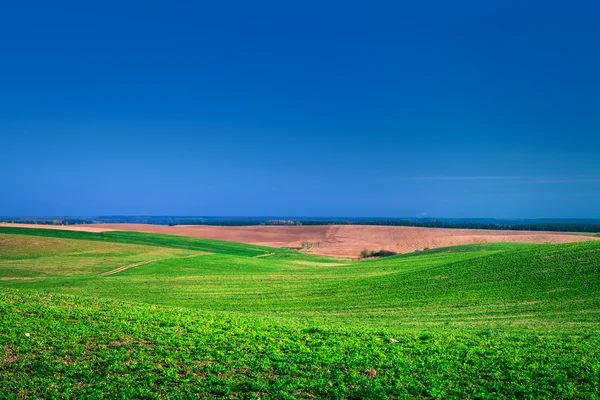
461,178
518,179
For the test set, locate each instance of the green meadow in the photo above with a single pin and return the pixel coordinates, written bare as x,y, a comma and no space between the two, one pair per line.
136,315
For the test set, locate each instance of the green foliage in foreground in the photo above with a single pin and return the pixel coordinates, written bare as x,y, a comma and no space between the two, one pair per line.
82,347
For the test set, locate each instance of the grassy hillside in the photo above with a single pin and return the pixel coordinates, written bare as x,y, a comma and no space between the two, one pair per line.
145,315
149,239
476,287
56,346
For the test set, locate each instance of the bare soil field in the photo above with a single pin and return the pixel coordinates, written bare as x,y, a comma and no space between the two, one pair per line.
340,240
84,228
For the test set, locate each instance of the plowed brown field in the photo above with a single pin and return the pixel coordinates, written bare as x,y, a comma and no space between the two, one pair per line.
84,228
340,240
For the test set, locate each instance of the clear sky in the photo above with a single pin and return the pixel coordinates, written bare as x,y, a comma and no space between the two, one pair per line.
397,109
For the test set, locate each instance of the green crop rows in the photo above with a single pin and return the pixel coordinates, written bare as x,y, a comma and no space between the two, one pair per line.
132,315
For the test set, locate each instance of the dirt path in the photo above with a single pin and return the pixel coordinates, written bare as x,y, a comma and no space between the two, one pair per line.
126,267
264,255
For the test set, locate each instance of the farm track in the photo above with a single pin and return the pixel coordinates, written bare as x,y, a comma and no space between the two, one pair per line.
264,255
129,266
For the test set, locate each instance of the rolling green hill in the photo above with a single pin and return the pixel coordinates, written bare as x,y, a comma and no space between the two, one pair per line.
149,239
157,315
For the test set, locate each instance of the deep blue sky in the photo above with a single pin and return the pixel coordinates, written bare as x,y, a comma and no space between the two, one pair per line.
432,108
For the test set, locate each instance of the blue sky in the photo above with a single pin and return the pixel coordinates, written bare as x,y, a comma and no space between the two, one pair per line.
447,109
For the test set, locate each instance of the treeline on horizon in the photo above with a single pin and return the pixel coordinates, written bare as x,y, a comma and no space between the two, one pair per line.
553,227
44,221
520,225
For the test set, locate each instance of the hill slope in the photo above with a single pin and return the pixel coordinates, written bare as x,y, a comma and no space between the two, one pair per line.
474,287
153,316
56,346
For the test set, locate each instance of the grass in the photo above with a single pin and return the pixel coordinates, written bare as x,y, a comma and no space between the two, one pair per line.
26,258
207,318
82,347
149,239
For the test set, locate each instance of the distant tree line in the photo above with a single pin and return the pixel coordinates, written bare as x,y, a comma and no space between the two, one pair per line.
68,221
552,227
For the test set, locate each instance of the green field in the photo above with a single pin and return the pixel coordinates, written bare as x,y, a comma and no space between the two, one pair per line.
124,314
